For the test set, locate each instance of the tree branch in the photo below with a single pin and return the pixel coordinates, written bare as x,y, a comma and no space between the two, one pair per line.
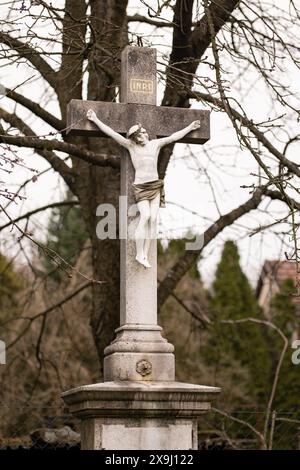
143,19
278,195
187,49
189,46
57,163
34,57
278,367
47,311
76,150
178,270
36,211
32,141
293,167
220,12
180,55
245,423
73,44
36,109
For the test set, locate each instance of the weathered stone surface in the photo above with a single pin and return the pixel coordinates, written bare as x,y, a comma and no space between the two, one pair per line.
124,366
138,286
136,343
139,406
159,121
138,104
130,398
137,434
139,338
138,75
139,415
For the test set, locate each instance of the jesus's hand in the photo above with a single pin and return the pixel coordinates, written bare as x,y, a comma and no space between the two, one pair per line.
91,115
195,125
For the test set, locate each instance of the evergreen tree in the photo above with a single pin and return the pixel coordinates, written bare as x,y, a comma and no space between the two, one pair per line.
257,347
176,248
284,307
66,235
11,283
232,298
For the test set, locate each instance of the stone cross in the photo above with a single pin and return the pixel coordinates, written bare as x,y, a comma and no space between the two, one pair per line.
139,405
139,351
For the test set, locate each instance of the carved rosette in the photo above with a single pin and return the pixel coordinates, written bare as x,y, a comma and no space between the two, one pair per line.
143,367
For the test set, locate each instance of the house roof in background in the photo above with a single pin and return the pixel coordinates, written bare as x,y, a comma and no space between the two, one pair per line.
278,271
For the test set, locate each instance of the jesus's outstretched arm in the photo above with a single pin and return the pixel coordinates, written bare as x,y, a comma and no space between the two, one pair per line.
179,134
91,115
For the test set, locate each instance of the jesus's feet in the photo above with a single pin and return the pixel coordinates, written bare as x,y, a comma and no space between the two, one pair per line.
146,263
143,261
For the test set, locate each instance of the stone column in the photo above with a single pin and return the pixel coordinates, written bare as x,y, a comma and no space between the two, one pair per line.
139,352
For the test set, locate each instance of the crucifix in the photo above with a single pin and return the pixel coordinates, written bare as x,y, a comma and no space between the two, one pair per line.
147,188
139,404
139,352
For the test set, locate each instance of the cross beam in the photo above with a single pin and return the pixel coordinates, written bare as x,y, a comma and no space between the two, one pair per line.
159,121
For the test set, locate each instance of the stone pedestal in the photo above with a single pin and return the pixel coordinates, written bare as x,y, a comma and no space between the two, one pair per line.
139,352
139,415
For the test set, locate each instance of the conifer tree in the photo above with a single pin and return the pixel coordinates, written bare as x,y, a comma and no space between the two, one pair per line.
284,307
66,235
233,299
11,283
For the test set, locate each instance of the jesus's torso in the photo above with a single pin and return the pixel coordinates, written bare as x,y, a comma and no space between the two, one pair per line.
144,159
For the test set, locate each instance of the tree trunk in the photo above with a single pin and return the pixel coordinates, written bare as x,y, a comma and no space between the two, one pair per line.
102,185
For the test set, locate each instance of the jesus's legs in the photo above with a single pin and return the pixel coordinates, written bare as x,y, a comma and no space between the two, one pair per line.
141,233
154,207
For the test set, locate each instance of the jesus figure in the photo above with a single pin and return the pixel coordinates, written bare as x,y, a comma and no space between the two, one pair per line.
147,187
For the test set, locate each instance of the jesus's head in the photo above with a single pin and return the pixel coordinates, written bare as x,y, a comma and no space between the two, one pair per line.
138,134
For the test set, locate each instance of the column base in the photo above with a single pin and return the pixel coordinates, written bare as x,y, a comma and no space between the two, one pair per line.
139,415
139,352
139,366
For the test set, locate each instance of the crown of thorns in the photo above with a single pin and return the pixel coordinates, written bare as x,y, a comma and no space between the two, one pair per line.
134,129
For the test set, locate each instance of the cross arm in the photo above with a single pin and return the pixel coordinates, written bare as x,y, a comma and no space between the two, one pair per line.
108,130
160,121
175,137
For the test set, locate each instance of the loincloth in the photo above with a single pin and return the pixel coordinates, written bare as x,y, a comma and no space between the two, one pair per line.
149,190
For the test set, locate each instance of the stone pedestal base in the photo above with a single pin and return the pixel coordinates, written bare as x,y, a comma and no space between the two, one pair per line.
139,415
139,352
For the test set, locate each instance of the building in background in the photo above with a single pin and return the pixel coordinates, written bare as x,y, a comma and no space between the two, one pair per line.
272,277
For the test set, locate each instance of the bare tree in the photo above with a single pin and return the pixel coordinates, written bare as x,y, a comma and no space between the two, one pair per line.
67,43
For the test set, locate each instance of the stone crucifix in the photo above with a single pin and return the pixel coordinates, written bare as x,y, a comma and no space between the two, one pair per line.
148,189
139,352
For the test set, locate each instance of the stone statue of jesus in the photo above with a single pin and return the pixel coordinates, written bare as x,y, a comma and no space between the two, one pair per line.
148,188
